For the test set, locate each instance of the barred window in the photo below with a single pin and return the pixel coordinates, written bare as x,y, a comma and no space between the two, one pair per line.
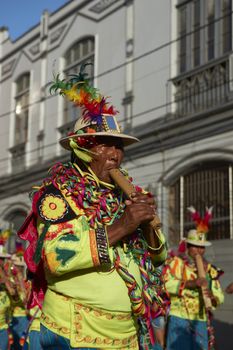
204,186
80,53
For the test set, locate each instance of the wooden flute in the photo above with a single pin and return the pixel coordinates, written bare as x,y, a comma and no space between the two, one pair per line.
202,274
128,188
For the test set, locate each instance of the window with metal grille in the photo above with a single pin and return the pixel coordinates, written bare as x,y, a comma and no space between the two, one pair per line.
207,185
80,53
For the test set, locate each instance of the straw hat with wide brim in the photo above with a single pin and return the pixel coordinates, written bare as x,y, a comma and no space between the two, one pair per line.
5,255
18,260
109,127
197,238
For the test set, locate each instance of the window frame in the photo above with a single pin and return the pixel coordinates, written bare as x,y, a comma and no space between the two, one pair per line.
70,112
21,134
186,38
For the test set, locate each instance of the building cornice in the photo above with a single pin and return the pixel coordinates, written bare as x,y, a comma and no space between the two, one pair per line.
24,181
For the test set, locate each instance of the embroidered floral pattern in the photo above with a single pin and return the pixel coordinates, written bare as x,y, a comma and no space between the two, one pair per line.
53,207
97,203
130,342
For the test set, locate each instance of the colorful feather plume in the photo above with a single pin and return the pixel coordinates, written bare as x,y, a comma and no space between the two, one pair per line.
78,90
202,224
19,249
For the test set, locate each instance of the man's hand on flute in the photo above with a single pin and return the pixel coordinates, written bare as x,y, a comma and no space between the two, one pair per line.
196,283
140,210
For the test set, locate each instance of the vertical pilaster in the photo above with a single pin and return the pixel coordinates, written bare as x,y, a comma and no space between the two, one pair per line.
128,99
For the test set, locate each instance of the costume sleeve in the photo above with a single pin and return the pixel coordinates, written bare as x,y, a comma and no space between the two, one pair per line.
214,274
172,276
217,292
72,245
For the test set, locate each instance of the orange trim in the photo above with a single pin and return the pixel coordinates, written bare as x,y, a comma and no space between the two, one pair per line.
94,250
174,268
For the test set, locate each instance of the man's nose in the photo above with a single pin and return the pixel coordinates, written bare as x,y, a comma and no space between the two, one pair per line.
114,152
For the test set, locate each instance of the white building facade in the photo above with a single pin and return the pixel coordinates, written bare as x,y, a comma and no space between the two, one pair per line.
167,67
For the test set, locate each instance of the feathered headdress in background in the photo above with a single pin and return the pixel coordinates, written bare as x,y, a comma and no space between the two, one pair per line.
19,248
202,224
198,236
97,119
18,256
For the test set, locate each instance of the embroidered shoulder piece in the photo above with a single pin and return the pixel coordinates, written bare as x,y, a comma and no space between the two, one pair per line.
215,272
53,208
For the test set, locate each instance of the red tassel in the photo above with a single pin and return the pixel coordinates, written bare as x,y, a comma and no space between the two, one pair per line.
182,246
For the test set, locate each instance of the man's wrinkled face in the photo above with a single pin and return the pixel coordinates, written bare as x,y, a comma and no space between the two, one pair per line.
109,153
194,250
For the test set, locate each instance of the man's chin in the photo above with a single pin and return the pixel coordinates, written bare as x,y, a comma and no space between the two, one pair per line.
106,178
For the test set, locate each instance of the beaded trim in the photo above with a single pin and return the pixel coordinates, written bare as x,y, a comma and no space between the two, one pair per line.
102,245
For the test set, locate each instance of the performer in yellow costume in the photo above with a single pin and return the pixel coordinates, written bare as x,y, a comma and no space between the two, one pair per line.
94,247
20,314
189,325
5,303
7,291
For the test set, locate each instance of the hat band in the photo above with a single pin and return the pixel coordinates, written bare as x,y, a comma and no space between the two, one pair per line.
104,123
197,238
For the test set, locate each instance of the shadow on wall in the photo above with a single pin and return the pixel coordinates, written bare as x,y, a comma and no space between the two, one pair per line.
223,335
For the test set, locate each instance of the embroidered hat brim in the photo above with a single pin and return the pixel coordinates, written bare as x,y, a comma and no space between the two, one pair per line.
107,127
19,263
126,139
5,255
198,243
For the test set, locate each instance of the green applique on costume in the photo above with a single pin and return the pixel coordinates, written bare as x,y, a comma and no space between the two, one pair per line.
68,238
64,255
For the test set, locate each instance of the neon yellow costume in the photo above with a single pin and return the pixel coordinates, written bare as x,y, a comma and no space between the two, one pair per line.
187,303
95,294
87,299
5,305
